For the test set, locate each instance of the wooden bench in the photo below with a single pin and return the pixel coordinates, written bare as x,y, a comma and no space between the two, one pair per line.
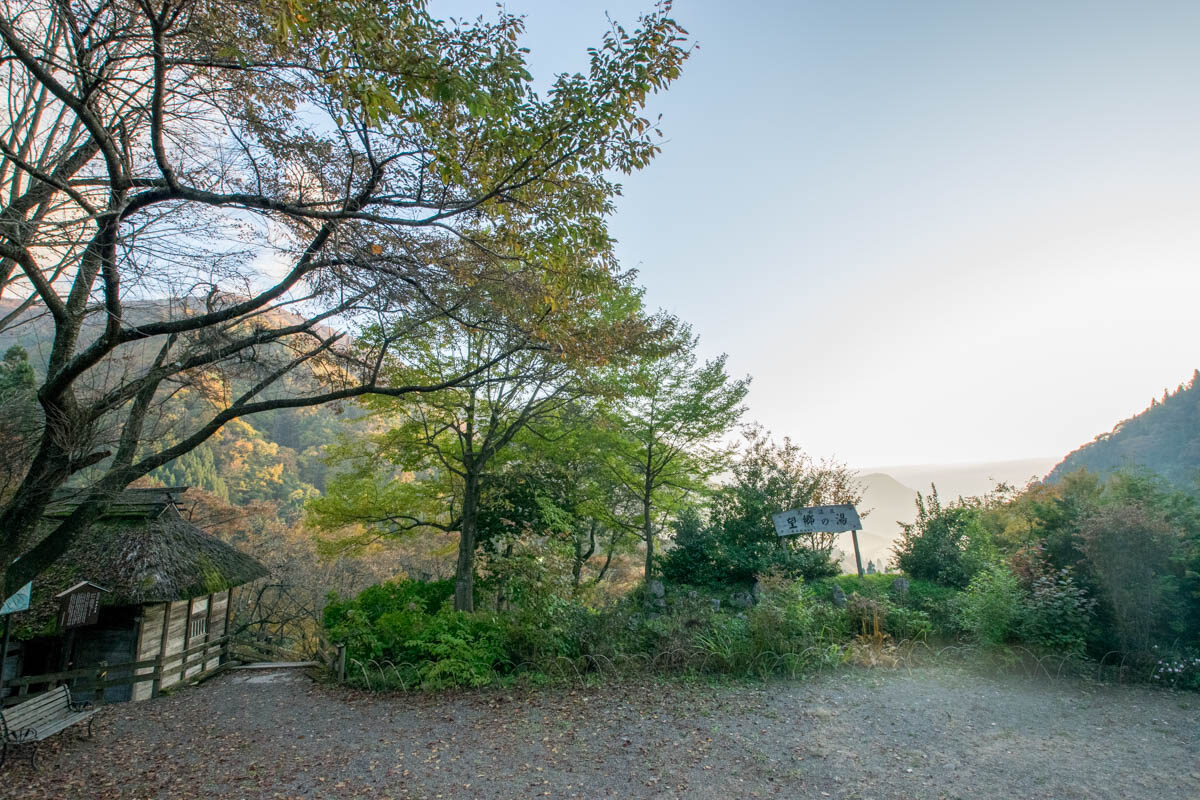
45,715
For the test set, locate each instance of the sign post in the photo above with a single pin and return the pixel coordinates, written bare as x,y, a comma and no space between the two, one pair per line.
18,602
77,606
821,519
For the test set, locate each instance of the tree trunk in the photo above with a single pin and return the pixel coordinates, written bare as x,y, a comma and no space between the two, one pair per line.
581,556
648,535
464,575
49,470
647,499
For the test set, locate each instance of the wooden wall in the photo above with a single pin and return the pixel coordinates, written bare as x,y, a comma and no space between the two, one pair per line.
188,623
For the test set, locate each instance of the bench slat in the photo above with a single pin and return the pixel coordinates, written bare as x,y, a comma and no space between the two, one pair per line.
59,697
50,728
34,714
46,714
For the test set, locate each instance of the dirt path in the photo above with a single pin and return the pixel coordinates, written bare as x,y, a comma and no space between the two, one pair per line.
937,732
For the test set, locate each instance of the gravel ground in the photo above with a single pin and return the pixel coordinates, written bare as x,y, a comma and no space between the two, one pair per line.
930,732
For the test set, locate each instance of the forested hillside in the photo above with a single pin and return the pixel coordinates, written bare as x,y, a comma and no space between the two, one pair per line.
273,457
1165,438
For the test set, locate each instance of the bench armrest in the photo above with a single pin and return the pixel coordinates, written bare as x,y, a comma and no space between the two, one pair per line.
20,735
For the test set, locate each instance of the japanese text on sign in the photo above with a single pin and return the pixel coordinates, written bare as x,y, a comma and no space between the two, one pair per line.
817,519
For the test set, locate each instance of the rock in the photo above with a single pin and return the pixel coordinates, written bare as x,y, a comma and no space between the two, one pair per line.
899,589
756,590
839,597
716,603
656,589
741,599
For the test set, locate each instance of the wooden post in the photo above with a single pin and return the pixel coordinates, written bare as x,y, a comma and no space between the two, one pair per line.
68,644
341,663
207,632
857,556
161,670
101,675
187,640
228,610
4,651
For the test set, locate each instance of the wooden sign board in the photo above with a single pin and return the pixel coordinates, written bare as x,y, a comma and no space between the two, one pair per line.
79,605
817,519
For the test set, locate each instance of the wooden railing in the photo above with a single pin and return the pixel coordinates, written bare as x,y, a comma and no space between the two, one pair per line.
167,671
158,671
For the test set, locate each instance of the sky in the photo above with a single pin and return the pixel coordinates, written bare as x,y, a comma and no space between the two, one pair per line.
932,232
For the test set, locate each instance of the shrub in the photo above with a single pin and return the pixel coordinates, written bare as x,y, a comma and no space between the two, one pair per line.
908,623
782,620
409,626
1177,668
939,603
868,617
1056,613
946,544
830,623
991,605
453,649
375,601
1129,552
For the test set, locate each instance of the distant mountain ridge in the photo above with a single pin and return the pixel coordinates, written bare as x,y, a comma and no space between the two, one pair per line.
968,479
1165,438
890,493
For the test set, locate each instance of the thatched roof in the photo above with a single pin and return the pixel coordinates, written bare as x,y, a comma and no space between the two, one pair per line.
143,551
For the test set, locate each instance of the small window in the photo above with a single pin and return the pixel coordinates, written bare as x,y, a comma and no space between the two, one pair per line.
199,626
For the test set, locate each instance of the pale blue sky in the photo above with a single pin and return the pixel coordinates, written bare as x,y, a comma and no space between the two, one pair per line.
931,231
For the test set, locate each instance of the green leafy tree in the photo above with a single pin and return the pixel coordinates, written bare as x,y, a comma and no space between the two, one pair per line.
452,439
557,482
739,541
208,196
670,419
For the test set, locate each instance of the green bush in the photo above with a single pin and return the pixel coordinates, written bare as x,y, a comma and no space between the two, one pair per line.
781,620
908,623
876,587
375,601
939,603
830,623
991,606
453,649
946,544
1056,613
408,634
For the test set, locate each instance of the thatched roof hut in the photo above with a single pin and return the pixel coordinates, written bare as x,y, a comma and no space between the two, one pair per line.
143,551
168,593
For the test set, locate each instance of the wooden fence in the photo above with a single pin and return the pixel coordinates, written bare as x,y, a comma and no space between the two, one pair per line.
167,671
170,670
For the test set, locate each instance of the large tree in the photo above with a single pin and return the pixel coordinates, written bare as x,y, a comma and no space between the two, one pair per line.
671,420
449,440
556,483
203,196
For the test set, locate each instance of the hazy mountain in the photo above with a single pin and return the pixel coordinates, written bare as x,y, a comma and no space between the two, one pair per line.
885,502
1165,438
889,497
971,479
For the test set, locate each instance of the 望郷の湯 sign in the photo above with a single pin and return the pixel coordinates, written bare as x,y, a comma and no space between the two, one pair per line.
817,519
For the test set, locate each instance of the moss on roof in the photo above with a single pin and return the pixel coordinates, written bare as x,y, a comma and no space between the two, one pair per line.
143,551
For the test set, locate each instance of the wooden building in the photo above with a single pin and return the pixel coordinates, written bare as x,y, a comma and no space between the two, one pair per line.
167,607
